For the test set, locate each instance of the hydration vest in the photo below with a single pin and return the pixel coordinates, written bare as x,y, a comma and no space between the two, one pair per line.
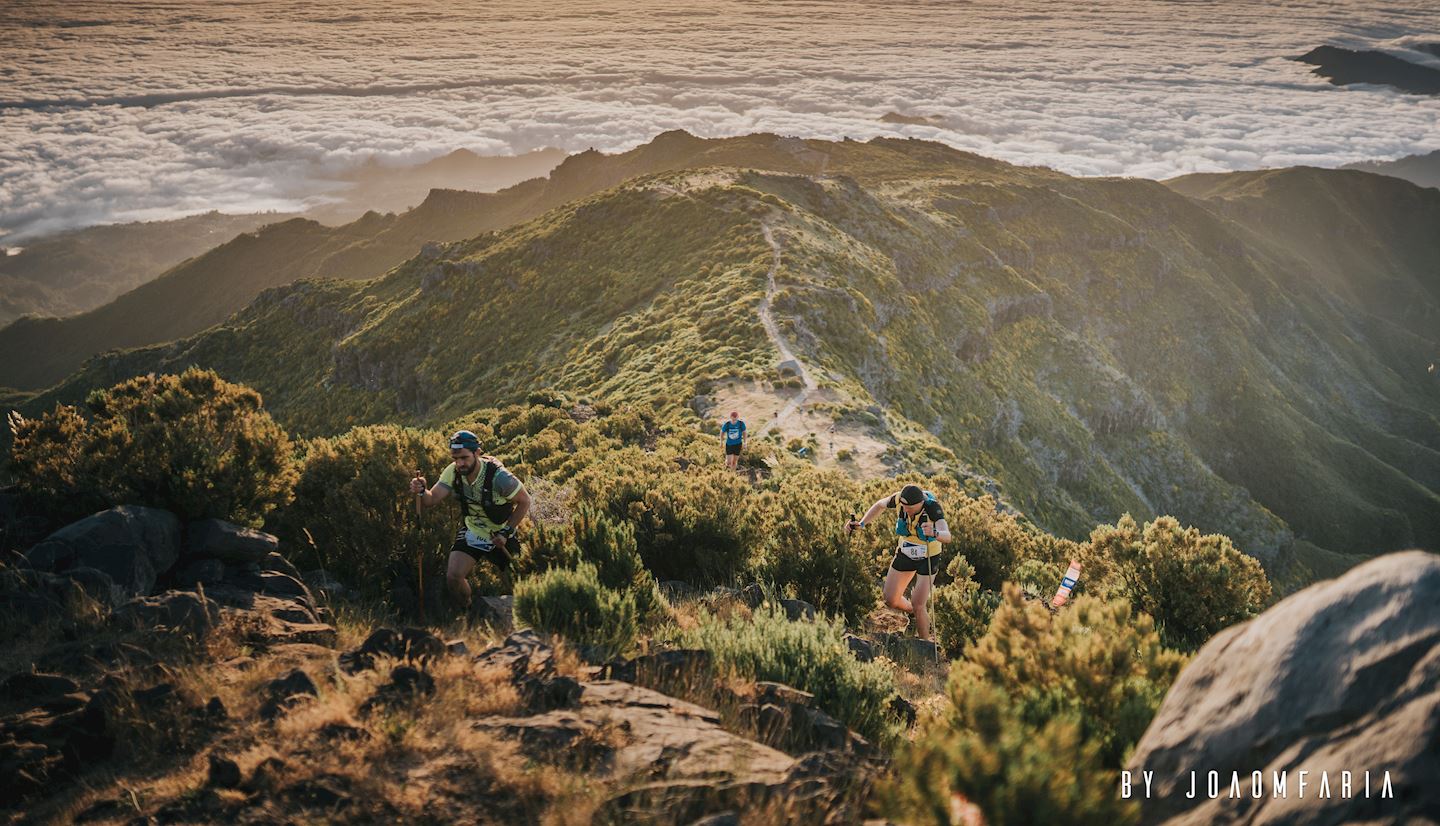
498,514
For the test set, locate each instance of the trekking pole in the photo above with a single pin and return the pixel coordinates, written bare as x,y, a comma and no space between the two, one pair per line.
420,553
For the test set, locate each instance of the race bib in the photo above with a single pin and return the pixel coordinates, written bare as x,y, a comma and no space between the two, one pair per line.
914,551
482,545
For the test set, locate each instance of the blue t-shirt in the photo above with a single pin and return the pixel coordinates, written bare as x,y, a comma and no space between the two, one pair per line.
734,432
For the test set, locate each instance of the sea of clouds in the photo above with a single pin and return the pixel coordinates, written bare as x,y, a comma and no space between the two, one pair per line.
113,111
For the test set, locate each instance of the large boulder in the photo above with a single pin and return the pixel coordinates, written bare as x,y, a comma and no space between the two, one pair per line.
132,545
187,612
1341,677
217,539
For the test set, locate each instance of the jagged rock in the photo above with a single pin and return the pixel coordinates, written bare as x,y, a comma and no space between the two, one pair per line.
496,612
863,649
131,545
663,670
271,620
798,609
201,572
184,611
218,539
224,772
406,684
1341,676
285,692
522,653
687,766
457,648
405,644
27,687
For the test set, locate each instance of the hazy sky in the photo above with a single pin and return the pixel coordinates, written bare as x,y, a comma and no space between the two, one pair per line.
122,111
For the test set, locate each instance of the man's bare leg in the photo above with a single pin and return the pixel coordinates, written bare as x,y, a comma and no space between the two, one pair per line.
456,579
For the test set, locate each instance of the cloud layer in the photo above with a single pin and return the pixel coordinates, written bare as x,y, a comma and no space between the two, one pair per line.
119,112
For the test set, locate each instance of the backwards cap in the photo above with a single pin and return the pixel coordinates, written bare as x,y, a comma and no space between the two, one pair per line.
464,439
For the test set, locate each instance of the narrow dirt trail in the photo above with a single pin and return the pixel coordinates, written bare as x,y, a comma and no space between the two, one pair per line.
767,320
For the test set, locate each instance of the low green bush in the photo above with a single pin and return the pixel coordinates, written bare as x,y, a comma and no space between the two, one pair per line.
571,603
961,610
1193,584
811,656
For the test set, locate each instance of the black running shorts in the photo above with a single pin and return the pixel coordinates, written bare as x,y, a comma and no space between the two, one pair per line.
924,567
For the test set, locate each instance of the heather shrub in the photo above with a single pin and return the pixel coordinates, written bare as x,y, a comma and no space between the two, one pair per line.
610,546
193,444
961,609
571,603
807,552
811,656
1193,584
352,500
1040,715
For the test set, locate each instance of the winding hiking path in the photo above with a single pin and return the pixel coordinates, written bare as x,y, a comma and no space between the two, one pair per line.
767,320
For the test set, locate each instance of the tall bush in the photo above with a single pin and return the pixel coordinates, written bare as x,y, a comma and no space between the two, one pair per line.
1040,715
193,444
1193,584
352,499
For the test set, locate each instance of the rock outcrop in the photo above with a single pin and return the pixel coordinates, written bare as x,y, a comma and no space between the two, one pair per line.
1341,677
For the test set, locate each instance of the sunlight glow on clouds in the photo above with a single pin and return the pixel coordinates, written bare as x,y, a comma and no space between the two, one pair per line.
112,111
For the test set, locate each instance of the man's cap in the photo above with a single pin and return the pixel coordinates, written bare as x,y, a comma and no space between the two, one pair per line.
911,495
464,440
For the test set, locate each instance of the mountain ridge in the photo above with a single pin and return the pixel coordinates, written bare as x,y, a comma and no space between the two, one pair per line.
1095,346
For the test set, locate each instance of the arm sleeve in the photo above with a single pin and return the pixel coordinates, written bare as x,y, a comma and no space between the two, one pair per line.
447,477
934,511
890,503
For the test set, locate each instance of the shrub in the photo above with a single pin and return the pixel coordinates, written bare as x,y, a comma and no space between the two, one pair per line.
1040,715
193,444
573,604
961,610
811,656
610,546
1101,659
695,526
806,550
352,499
1194,585
1015,774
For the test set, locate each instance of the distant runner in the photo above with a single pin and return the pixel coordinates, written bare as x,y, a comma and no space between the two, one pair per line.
734,432
492,504
921,529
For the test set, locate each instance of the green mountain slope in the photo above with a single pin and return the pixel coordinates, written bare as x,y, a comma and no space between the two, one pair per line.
71,272
1093,346
207,289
